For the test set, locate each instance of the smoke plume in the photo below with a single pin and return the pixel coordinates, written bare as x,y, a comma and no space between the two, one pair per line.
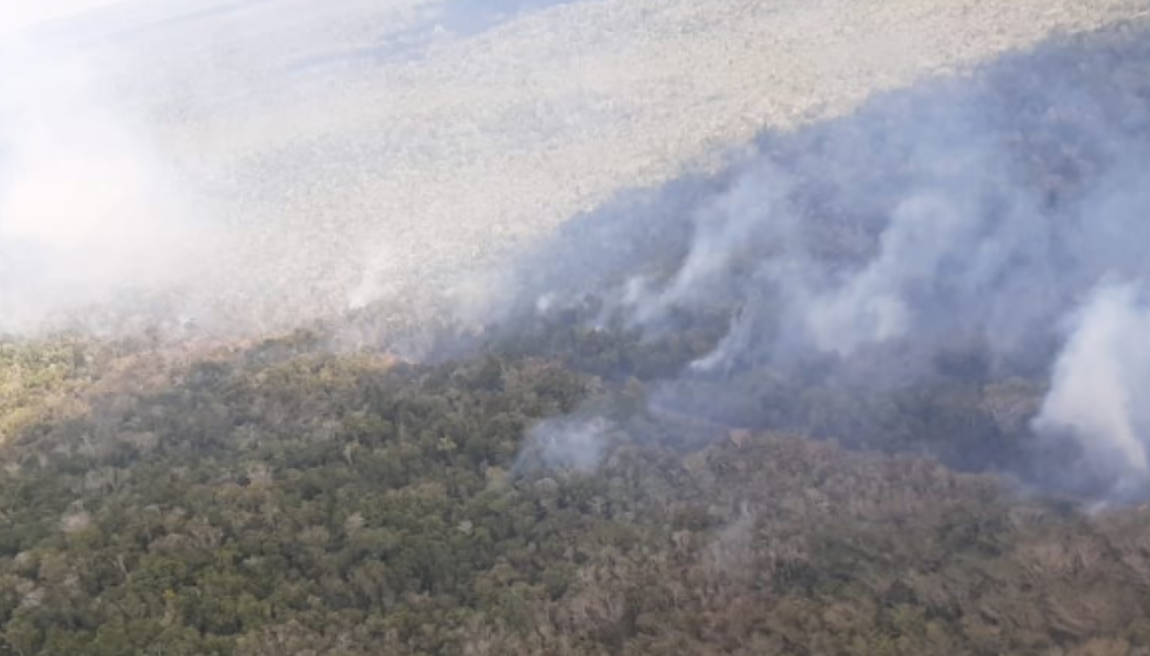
1100,385
957,267
936,239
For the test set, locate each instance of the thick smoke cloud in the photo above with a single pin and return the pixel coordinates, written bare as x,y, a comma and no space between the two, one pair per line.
975,214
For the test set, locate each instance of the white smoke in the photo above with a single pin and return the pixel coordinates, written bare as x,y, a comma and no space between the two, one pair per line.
569,443
89,209
1100,394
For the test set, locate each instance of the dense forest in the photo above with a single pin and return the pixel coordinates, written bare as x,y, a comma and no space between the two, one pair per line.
280,498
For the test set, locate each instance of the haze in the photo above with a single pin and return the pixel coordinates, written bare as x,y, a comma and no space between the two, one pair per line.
258,165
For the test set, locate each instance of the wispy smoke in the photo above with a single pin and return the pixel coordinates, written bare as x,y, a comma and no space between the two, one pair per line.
971,214
567,443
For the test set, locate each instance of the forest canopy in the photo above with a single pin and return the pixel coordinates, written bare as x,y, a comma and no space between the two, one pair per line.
279,498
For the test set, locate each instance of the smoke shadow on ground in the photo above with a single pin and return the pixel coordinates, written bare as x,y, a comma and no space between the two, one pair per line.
906,277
